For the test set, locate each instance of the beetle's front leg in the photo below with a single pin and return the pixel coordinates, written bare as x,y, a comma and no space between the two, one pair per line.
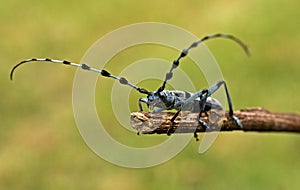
144,100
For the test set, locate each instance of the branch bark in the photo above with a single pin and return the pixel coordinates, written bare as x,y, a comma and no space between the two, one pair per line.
253,119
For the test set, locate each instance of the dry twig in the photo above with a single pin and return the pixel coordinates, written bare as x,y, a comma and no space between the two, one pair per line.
253,119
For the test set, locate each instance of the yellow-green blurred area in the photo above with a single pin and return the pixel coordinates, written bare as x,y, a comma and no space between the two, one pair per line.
40,145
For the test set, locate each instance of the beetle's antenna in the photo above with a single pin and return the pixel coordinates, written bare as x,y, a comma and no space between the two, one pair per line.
104,73
169,75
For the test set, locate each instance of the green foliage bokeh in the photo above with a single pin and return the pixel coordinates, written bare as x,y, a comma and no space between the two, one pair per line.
40,146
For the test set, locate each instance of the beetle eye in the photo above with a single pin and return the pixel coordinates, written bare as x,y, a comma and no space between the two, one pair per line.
151,97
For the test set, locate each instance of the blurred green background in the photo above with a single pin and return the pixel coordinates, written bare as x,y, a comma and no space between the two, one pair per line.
40,146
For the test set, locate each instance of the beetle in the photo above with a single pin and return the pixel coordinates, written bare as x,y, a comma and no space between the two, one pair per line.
161,99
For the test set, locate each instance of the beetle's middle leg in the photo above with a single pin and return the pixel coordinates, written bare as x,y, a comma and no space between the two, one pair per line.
201,93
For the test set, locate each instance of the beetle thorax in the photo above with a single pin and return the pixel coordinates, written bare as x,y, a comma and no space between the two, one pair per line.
165,99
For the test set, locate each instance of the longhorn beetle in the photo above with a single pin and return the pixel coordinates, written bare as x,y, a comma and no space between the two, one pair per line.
162,99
